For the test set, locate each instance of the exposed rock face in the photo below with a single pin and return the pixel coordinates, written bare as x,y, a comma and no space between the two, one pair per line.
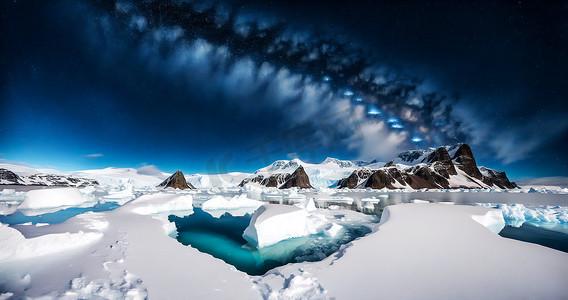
9,177
443,161
355,178
465,161
379,180
434,170
424,177
298,179
274,180
176,181
497,178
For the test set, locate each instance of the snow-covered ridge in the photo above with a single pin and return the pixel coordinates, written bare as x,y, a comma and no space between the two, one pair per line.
9,177
322,175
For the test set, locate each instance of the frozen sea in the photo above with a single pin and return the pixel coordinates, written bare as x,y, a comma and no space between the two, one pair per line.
537,218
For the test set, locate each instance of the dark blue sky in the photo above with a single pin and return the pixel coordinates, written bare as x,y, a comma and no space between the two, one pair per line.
232,86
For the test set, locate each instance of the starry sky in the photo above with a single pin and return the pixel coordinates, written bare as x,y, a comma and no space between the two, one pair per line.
218,86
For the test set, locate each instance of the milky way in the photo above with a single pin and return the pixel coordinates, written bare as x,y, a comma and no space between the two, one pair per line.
223,80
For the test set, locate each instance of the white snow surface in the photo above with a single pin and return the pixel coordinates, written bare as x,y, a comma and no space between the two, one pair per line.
434,251
232,179
14,246
129,256
162,203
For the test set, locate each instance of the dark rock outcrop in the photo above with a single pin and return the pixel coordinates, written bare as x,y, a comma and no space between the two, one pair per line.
176,181
464,160
442,159
9,177
355,178
297,179
379,180
433,171
496,178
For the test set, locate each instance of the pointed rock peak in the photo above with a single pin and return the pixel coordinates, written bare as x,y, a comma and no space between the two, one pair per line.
298,179
464,160
463,150
176,181
440,154
389,164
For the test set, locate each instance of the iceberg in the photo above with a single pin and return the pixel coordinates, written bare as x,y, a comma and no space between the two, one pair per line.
272,223
161,203
240,201
53,198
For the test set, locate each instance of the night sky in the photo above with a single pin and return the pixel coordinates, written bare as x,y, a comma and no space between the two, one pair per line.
232,86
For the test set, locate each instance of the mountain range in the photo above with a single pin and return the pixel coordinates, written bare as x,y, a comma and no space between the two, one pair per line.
446,167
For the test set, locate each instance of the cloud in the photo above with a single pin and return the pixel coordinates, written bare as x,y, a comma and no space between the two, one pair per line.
263,65
547,181
93,156
151,170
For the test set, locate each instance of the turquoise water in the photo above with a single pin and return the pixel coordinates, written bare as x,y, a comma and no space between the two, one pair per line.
56,217
222,238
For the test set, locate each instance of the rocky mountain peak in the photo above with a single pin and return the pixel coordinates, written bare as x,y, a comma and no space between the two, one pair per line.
465,160
176,181
9,177
297,179
442,162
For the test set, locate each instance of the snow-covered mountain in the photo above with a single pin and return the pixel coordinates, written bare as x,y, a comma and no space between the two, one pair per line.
9,177
111,177
298,178
322,175
445,167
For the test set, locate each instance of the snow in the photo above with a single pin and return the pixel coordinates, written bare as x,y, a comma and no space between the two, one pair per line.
218,202
434,251
307,204
121,194
423,250
272,223
240,201
14,246
162,203
116,177
53,197
117,254
232,179
322,175
462,179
